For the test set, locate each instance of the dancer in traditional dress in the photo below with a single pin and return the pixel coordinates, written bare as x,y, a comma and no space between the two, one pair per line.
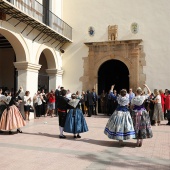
62,111
11,117
75,121
141,118
120,124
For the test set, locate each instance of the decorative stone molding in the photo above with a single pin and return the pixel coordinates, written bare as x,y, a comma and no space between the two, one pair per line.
130,52
52,72
27,66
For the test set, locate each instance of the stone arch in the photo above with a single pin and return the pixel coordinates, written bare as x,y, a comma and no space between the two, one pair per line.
16,40
130,52
49,55
117,70
107,58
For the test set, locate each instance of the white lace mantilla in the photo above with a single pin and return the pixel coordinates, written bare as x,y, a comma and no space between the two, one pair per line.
73,102
123,101
138,100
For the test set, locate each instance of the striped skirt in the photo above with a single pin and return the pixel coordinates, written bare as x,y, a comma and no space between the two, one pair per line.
120,126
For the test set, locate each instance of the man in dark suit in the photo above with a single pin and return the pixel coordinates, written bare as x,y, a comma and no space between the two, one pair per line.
89,103
57,94
95,99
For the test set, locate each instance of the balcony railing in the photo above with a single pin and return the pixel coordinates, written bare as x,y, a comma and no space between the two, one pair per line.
36,10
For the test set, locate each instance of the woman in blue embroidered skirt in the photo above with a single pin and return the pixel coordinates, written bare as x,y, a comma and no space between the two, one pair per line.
75,121
120,124
140,116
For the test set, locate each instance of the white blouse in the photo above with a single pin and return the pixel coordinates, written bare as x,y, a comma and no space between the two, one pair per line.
138,100
158,97
26,101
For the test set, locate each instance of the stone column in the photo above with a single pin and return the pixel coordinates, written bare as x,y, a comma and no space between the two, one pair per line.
55,78
27,78
27,75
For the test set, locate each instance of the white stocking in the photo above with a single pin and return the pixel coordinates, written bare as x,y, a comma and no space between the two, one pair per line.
61,131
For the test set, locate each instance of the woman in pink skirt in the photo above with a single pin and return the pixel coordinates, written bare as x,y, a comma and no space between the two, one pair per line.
11,117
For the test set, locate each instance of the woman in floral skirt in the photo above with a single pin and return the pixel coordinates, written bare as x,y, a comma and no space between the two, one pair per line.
141,118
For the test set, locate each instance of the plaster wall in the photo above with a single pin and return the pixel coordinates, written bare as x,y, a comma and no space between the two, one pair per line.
152,18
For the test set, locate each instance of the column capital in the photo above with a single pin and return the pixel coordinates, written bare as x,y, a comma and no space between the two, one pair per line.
52,72
23,65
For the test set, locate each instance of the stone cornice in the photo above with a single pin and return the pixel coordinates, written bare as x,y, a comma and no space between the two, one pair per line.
27,66
51,72
116,42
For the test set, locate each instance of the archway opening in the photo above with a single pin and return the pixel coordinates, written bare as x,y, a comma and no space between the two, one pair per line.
8,73
113,72
43,78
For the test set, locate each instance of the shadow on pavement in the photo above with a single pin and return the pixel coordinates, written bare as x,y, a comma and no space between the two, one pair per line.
108,143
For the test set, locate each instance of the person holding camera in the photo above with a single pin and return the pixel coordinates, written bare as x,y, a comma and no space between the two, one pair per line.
38,98
27,105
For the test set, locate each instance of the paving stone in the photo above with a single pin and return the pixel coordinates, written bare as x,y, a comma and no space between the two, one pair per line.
39,148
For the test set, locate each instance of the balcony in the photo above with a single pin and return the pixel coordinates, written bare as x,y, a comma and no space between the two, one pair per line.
33,14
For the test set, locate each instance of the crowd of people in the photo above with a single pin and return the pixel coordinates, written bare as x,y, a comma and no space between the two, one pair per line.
47,104
131,114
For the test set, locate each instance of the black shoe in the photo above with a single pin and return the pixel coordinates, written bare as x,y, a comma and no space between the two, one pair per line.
74,136
19,131
88,116
78,136
168,123
62,137
10,133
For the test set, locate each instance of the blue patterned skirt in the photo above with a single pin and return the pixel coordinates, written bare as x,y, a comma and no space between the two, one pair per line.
75,122
120,126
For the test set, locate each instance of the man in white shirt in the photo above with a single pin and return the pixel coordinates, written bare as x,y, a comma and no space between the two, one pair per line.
131,95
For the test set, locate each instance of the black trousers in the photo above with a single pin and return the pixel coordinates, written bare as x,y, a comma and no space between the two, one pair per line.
38,110
90,110
82,108
62,118
94,108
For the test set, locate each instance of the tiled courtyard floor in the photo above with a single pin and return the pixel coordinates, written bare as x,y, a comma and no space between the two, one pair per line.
39,148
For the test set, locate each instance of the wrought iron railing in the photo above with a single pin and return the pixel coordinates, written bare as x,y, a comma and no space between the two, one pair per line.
36,10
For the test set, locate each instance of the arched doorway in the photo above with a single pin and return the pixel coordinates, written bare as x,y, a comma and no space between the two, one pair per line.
43,78
8,73
113,72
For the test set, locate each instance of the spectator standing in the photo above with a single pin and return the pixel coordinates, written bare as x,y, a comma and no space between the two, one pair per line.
38,106
43,108
158,114
27,105
167,106
163,97
89,103
131,95
95,100
51,103
103,102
